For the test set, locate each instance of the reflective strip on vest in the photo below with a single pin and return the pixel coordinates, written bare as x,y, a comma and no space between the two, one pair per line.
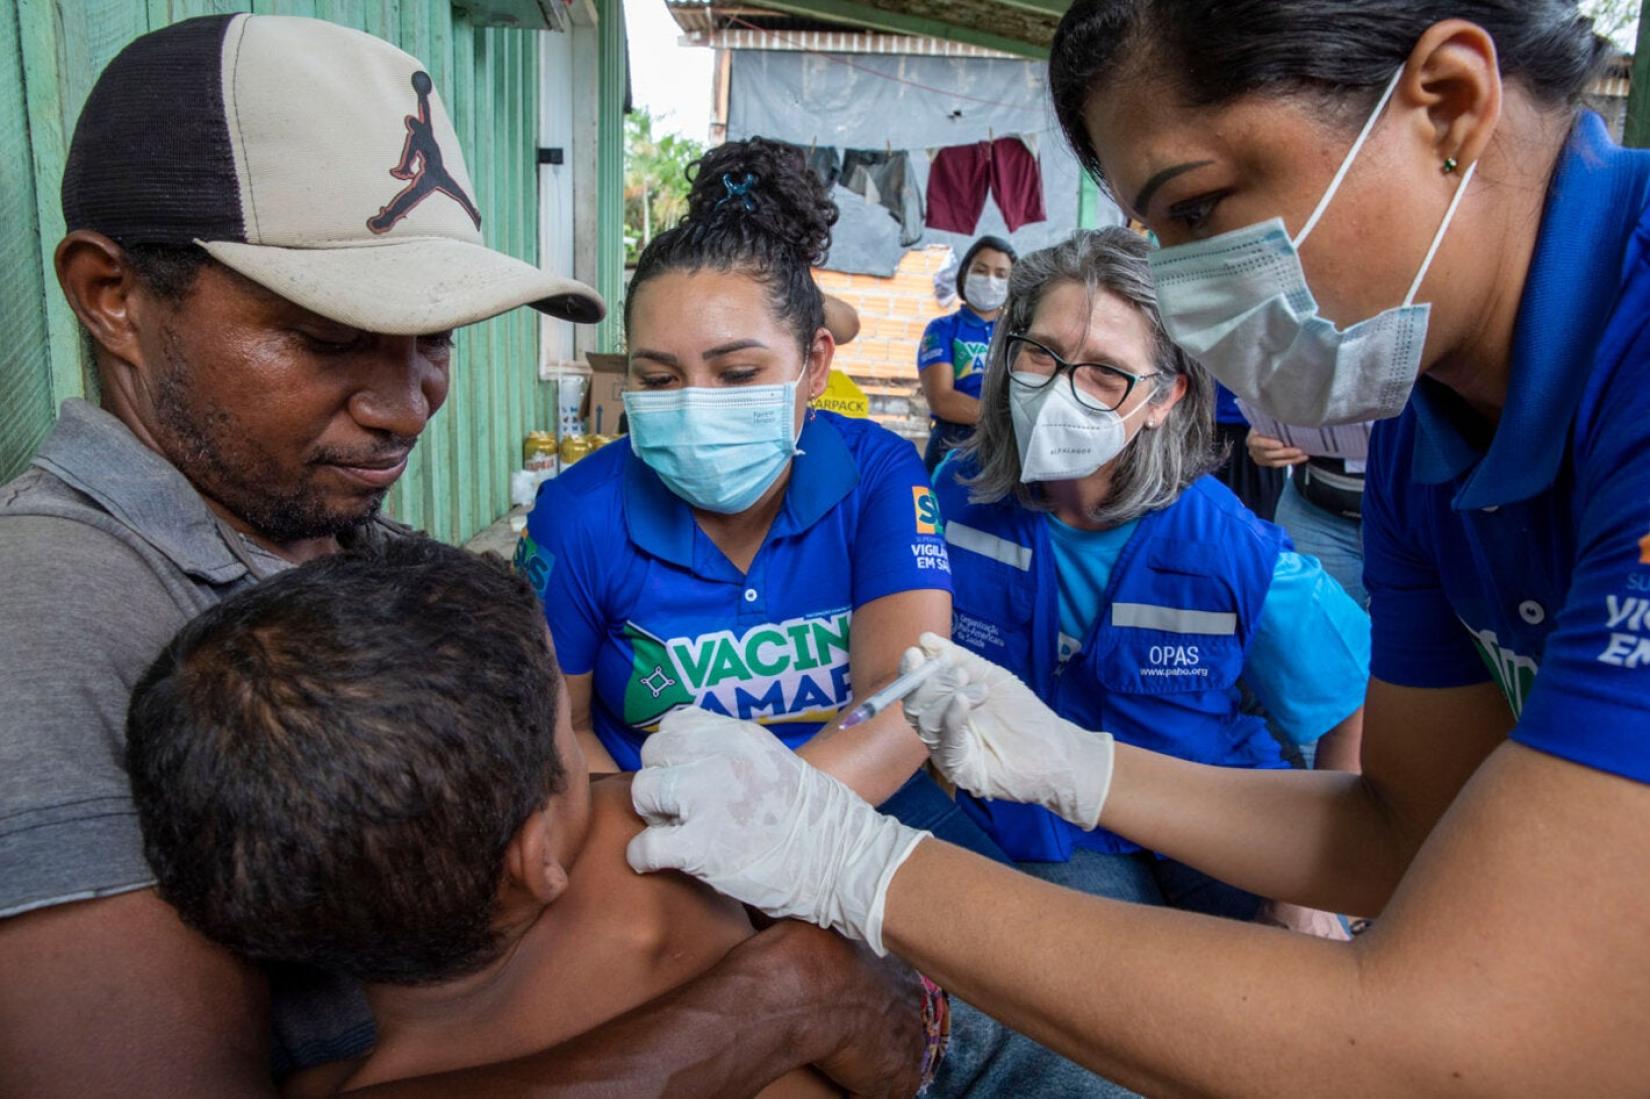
989,545
1146,616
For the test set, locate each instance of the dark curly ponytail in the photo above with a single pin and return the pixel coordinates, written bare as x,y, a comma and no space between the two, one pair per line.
1218,50
754,207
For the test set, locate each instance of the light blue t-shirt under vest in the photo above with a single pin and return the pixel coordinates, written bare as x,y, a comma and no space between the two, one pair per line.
1308,661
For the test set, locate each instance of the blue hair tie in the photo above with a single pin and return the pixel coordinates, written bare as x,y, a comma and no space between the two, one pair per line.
740,190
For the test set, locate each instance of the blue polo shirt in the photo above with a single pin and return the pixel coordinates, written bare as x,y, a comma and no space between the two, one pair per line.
961,339
1523,555
636,593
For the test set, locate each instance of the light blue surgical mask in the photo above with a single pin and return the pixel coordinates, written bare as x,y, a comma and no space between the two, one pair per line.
718,449
1238,303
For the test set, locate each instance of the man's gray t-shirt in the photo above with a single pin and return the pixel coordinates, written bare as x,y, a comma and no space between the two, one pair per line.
105,551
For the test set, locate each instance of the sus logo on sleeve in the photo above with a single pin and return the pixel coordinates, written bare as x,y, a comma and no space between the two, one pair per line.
928,509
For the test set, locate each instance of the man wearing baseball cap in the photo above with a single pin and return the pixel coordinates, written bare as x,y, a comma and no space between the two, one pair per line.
272,235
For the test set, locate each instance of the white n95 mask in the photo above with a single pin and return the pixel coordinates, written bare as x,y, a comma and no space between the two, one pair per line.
1239,304
1059,439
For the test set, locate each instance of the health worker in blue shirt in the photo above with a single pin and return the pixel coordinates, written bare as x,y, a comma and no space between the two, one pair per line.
1096,557
1371,208
951,357
739,551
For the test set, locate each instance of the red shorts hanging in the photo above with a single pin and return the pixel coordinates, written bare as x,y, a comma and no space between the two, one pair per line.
962,175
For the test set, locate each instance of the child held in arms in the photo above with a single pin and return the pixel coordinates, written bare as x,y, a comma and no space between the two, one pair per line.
366,765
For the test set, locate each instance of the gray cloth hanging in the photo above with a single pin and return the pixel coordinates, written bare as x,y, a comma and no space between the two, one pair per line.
886,179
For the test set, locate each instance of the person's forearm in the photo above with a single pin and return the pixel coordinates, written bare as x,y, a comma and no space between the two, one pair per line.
957,408
1162,1001
705,1039
874,759
943,400
1509,961
1315,838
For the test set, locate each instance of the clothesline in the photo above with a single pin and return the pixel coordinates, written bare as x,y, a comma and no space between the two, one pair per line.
960,179
930,151
835,59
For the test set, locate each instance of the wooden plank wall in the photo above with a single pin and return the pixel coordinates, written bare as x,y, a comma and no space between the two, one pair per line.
51,52
25,365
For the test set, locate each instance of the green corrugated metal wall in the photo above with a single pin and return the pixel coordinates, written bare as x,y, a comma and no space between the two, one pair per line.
50,53
1088,202
610,282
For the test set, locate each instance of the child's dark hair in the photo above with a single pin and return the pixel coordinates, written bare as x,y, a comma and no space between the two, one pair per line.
330,766
754,207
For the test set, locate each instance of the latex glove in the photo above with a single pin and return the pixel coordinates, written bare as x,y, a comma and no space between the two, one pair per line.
728,803
988,733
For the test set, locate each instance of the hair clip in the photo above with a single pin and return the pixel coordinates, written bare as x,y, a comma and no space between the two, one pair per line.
740,190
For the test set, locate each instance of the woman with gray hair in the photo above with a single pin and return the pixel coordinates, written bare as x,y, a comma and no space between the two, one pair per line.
1094,558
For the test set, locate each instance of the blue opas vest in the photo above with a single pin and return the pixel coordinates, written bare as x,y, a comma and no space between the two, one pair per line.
1160,665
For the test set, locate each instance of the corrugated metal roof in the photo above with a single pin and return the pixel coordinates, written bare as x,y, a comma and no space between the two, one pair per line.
700,17
837,41
1031,22
1005,20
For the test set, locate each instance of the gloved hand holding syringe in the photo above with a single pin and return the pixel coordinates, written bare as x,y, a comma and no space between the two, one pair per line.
722,798
893,694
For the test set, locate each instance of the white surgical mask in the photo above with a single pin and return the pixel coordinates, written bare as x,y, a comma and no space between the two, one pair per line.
719,449
1060,439
1239,304
986,293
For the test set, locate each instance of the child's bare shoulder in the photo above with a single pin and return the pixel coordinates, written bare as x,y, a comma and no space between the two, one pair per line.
669,916
610,805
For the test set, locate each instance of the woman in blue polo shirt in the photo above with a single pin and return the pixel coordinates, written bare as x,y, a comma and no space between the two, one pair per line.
1316,169
739,551
951,357
1083,506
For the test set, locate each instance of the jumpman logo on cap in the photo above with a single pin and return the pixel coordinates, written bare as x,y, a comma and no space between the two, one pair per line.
431,176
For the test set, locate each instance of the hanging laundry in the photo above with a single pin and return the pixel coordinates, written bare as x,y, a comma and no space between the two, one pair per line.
823,160
963,175
885,179
945,281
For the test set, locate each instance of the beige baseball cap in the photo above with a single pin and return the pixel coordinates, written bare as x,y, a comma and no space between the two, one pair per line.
316,160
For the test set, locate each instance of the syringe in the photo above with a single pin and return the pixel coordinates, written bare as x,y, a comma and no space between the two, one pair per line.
894,693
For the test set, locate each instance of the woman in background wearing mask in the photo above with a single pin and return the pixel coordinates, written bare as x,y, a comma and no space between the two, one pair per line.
951,358
1372,208
1095,558
739,551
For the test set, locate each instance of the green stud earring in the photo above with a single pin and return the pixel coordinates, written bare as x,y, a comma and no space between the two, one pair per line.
1450,164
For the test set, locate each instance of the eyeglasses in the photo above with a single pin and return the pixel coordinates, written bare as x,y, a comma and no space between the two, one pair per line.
1095,385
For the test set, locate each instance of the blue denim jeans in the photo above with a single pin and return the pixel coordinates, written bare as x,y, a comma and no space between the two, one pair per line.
1143,878
986,1060
1336,541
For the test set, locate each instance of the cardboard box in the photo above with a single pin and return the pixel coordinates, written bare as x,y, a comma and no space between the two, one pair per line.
604,402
